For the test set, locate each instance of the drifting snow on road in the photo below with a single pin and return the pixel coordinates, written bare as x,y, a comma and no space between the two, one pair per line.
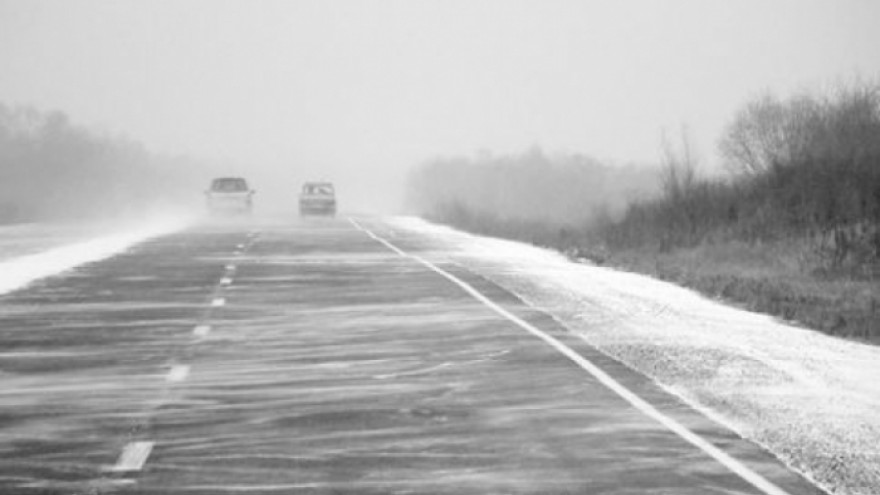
31,252
809,398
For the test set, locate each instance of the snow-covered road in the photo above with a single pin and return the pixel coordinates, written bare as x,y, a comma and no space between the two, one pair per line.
318,354
810,399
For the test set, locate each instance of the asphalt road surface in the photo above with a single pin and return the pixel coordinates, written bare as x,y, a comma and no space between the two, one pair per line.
330,357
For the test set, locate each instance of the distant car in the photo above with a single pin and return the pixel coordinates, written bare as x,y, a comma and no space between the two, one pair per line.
229,196
317,198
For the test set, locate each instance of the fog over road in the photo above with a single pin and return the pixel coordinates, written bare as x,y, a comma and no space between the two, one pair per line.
314,357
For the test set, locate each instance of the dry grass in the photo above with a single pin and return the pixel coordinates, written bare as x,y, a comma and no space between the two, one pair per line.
769,278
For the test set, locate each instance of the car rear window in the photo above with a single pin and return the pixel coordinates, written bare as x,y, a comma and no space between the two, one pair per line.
229,185
318,189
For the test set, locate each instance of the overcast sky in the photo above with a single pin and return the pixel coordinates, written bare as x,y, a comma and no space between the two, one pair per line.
357,91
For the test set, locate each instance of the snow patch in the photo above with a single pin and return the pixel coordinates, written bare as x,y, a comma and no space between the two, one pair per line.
18,272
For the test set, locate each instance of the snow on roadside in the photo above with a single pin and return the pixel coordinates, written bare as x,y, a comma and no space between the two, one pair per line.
809,398
17,272
17,240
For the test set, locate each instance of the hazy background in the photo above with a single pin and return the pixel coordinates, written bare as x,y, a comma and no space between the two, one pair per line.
356,92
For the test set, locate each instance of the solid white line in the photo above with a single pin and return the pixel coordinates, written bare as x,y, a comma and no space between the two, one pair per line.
133,457
218,301
201,330
177,373
722,457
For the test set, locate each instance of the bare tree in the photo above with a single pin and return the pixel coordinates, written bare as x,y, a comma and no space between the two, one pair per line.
679,171
768,132
757,137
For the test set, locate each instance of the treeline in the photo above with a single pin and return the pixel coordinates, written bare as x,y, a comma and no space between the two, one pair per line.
529,196
806,168
53,169
803,168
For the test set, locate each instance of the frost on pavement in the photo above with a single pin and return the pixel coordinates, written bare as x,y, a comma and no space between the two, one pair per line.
811,399
18,271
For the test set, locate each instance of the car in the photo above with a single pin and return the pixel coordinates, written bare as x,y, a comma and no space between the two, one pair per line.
317,198
229,196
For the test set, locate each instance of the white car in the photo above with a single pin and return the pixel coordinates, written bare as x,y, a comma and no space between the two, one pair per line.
229,196
317,198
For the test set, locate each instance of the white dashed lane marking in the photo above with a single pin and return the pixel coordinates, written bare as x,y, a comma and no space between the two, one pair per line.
177,373
133,457
135,454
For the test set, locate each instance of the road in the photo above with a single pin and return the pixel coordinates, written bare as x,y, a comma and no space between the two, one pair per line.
330,357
